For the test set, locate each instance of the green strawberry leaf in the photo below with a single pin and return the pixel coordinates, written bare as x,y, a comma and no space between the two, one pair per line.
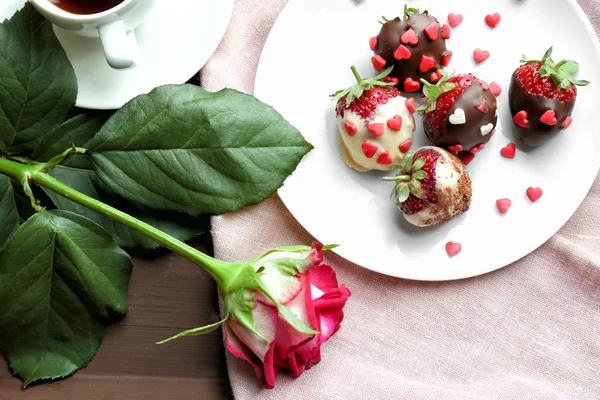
180,226
404,193
420,175
184,149
61,279
547,54
407,161
581,82
419,163
38,88
414,185
383,73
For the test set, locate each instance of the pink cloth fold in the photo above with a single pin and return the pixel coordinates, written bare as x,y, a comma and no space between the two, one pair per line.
528,331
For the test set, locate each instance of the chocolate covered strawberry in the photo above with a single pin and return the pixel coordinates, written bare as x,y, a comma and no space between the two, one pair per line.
432,186
415,45
460,113
542,97
375,121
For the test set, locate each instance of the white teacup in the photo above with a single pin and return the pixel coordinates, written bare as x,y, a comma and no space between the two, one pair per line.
114,27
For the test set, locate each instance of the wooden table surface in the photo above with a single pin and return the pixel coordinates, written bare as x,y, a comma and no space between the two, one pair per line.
167,294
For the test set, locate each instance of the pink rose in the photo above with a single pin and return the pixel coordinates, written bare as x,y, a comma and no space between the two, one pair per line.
297,278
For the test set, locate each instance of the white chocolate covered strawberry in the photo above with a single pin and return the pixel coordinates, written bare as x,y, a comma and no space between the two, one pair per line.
376,123
432,186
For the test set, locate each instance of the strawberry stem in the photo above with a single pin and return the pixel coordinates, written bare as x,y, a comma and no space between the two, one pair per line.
400,178
359,79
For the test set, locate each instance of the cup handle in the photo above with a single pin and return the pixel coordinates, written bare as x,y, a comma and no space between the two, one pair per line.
116,44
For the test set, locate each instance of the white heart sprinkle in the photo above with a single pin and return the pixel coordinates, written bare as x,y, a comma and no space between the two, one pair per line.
486,129
459,117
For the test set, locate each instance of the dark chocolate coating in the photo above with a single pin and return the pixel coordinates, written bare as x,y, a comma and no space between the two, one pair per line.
468,135
536,133
388,41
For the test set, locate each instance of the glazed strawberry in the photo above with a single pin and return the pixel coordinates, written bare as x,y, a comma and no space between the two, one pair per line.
460,113
432,186
375,123
542,97
415,45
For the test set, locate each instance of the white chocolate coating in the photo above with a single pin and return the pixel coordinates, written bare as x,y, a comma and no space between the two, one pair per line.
448,172
390,141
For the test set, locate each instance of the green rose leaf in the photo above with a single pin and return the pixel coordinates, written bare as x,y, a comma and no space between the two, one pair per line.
184,149
15,207
178,225
38,87
77,131
61,277
9,214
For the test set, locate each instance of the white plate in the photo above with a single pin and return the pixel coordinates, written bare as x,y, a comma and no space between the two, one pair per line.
307,57
175,41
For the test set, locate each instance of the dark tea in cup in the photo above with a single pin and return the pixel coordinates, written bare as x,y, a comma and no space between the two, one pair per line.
85,7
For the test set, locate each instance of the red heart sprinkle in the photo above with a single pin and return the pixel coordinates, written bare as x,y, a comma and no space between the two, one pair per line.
373,43
503,205
414,123
369,149
446,57
496,89
411,85
405,146
432,30
426,63
492,20
375,129
521,119
445,31
453,248
484,84
466,157
378,62
477,149
568,122
409,37
411,106
484,107
395,123
548,118
350,128
384,158
456,148
509,150
480,55
455,19
534,193
402,53
391,79
436,76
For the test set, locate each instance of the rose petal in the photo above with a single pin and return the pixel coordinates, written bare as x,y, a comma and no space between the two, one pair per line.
329,309
269,367
236,347
265,323
287,337
323,277
239,350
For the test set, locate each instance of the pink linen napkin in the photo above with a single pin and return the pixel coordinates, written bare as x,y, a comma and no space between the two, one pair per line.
528,331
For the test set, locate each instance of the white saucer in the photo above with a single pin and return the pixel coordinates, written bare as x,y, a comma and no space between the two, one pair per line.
175,41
